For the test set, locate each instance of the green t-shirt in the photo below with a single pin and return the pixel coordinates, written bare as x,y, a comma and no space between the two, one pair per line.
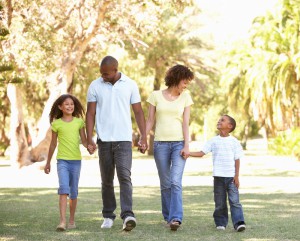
169,115
68,138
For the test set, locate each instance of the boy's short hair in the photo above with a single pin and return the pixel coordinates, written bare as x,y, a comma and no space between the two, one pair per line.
232,122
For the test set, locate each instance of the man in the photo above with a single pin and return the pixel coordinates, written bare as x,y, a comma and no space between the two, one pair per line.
108,103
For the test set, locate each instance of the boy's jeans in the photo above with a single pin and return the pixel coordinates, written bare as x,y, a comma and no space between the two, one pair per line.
222,186
116,155
170,165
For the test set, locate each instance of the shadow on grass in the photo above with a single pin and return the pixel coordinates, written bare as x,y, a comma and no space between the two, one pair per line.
32,214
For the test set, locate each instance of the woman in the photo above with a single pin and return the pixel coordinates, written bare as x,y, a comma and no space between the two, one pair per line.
171,110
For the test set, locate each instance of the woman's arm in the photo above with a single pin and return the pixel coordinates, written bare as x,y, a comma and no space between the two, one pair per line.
185,127
151,118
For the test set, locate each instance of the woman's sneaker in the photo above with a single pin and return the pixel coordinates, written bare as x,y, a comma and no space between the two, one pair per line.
220,228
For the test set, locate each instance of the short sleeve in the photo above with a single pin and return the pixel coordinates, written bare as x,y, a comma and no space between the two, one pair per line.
135,95
54,126
82,124
91,94
207,147
238,154
151,99
188,100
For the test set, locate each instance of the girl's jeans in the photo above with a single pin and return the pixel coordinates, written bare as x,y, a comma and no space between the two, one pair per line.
170,165
68,177
116,155
222,187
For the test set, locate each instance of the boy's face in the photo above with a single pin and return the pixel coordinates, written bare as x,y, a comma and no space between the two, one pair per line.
224,124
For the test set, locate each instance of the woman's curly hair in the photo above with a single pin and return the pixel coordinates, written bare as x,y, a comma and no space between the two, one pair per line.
177,73
56,113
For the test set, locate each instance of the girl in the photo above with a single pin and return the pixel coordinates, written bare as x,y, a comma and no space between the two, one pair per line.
68,127
171,139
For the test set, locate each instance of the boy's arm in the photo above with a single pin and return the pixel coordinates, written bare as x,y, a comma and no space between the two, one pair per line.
197,153
237,173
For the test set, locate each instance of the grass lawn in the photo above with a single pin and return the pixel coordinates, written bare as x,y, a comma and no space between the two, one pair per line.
32,214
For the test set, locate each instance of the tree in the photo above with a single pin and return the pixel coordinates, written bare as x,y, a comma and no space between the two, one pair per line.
263,75
64,30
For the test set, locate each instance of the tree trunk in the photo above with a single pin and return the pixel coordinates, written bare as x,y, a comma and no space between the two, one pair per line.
19,153
59,83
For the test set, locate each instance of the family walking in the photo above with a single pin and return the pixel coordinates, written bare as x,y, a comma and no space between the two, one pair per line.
169,111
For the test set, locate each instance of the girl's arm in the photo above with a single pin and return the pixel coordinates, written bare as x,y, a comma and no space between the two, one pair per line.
83,137
52,147
185,152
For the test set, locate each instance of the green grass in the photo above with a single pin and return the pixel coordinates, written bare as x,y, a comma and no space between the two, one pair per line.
32,214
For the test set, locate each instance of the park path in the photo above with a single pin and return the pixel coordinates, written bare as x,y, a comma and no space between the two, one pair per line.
259,172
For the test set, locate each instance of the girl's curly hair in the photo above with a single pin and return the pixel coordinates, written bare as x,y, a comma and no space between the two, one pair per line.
177,73
56,113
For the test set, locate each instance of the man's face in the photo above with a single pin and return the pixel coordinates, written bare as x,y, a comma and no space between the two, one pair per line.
108,73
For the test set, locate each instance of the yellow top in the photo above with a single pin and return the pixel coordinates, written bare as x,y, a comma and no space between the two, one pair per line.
169,115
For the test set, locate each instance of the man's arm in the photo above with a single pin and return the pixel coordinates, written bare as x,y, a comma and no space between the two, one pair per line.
140,120
90,124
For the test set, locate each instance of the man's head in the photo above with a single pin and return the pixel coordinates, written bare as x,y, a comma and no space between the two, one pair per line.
109,69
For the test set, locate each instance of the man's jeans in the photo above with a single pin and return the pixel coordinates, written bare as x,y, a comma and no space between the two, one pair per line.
170,165
116,155
222,186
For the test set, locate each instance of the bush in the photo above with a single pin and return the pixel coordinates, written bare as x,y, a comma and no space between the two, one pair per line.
286,143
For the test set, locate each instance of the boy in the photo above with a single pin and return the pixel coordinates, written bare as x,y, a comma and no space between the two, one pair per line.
226,152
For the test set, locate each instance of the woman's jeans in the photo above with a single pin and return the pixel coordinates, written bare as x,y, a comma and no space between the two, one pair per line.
222,187
170,165
116,155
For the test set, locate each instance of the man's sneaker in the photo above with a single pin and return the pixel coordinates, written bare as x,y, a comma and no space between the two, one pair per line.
107,223
241,227
221,228
129,223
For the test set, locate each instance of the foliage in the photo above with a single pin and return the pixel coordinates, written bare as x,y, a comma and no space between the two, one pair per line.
286,143
262,75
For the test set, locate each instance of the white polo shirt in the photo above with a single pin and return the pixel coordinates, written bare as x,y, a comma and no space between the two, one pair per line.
225,150
113,110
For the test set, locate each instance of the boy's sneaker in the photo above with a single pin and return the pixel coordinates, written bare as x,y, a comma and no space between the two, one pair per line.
240,226
221,228
129,223
107,223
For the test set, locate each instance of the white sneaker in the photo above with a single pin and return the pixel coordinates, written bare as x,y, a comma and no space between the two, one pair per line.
129,223
220,227
107,223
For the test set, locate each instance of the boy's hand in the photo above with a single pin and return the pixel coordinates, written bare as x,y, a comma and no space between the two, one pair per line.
236,181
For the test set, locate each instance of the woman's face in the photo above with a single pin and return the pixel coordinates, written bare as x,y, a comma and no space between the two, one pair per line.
182,85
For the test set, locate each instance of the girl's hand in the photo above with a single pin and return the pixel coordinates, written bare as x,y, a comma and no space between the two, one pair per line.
47,168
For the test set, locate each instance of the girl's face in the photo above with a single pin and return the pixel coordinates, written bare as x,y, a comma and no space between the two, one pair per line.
182,85
67,107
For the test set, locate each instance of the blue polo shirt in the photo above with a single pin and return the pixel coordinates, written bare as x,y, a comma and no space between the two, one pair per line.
113,110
